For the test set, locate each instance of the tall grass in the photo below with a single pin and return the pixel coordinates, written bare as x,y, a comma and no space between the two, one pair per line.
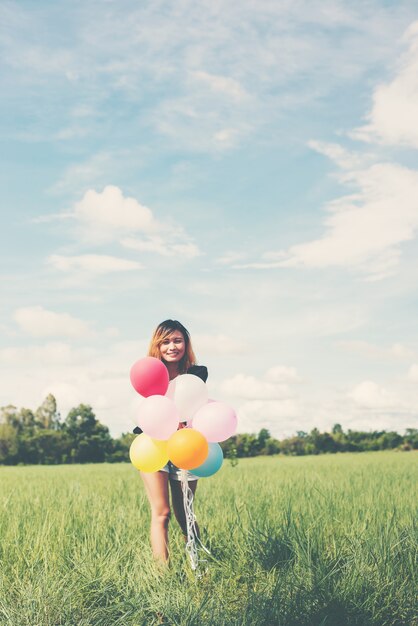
313,540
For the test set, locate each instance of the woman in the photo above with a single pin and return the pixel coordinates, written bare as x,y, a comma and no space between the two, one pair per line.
171,344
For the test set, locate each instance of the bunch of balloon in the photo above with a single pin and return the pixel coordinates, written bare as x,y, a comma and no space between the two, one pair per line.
178,421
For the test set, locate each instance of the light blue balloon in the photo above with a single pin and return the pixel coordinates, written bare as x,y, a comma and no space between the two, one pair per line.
213,462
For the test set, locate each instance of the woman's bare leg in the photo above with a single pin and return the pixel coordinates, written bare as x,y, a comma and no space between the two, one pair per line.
178,506
156,486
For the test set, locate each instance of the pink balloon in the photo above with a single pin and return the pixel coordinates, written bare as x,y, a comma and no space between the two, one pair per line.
189,422
149,377
158,417
216,421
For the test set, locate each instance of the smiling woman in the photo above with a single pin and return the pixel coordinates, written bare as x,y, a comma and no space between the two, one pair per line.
172,345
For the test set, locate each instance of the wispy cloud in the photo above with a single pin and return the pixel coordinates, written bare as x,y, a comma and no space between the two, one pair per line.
39,322
393,119
229,68
365,229
102,218
345,159
267,401
222,84
52,353
277,383
370,395
163,246
373,351
92,263
77,177
413,373
219,344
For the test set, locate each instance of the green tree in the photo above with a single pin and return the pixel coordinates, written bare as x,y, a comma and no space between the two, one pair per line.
10,415
263,437
246,445
46,446
90,440
411,438
272,446
9,445
47,415
120,448
27,421
294,446
389,441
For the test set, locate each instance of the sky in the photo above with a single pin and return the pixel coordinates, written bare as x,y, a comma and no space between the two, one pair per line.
248,168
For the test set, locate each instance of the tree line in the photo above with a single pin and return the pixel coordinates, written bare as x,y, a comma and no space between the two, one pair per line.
43,437
315,442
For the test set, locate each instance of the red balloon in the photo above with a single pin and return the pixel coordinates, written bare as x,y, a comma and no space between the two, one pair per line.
149,377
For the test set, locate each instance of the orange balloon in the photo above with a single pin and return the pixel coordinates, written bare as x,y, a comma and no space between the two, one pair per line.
187,448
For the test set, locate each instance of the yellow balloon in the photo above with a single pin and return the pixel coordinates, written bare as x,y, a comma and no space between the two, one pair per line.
187,448
147,454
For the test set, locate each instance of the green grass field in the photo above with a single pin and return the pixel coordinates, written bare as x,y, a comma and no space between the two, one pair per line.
308,540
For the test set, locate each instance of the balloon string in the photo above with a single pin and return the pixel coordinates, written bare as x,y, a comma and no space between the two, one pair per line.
192,537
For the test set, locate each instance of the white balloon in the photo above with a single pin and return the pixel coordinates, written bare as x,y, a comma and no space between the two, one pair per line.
189,393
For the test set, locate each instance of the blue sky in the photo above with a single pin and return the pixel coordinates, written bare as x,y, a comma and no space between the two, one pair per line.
247,168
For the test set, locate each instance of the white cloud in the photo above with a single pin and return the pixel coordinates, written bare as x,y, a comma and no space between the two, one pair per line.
222,84
79,176
396,351
105,216
413,373
52,353
69,396
345,159
282,374
218,344
393,119
324,320
267,401
39,322
370,395
252,388
186,122
230,257
277,416
226,136
52,217
364,230
281,54
163,246
92,263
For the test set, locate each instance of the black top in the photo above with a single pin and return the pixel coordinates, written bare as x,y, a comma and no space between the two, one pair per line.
198,370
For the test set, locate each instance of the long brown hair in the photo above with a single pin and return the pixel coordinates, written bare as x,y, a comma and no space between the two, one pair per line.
165,329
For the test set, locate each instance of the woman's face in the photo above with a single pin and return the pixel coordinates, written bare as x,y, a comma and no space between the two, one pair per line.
173,347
